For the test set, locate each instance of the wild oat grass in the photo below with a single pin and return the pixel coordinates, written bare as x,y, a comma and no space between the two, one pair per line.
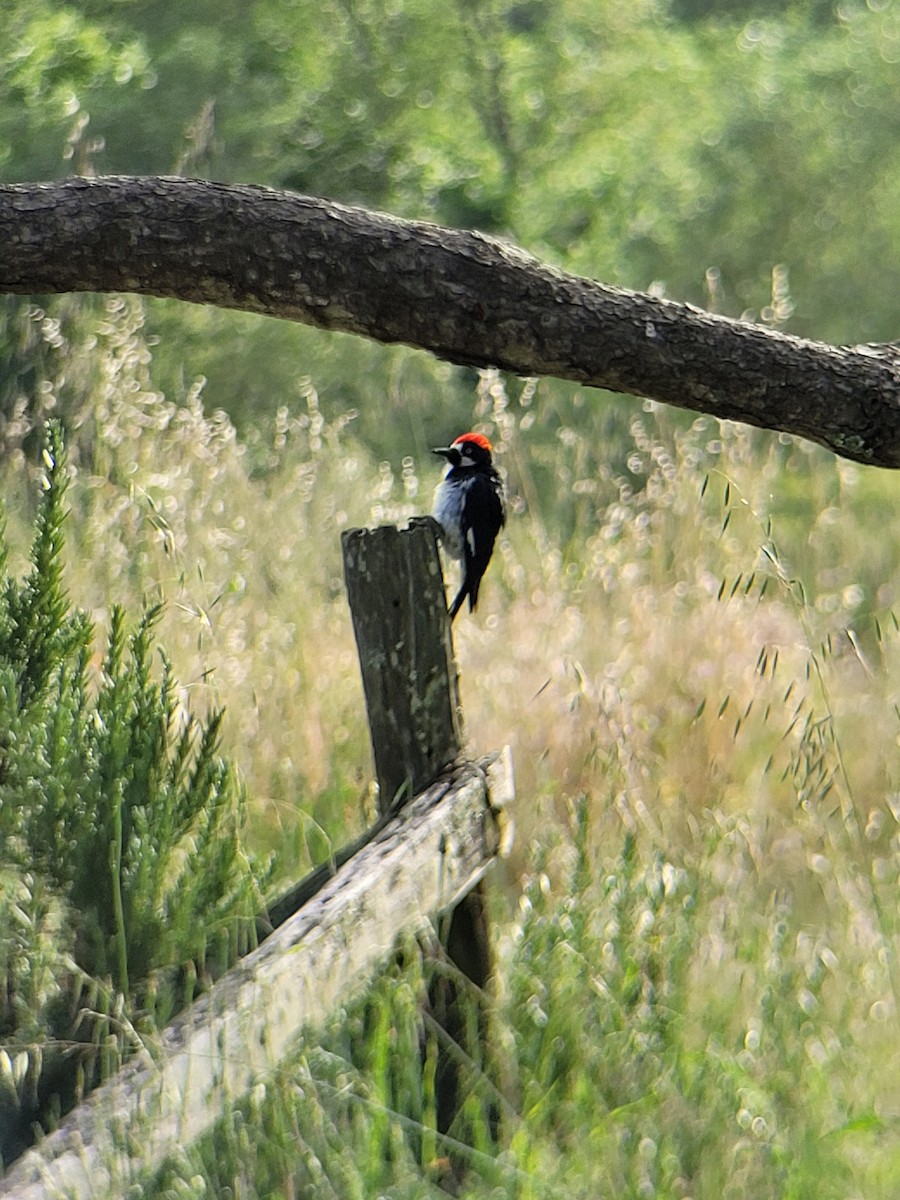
691,646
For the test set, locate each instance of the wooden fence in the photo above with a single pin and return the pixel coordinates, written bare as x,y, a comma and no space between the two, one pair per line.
441,826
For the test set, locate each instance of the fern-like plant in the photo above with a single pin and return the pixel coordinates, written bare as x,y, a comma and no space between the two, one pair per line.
123,879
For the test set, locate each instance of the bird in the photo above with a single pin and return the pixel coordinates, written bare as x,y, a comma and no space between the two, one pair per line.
470,507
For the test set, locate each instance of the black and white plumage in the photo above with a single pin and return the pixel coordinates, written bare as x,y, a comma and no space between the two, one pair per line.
470,507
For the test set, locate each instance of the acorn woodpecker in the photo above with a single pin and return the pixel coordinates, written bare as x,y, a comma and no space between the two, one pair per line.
470,508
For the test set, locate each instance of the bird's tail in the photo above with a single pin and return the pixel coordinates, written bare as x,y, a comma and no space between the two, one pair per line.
468,589
458,601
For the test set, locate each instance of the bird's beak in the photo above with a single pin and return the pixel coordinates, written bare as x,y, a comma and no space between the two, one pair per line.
448,452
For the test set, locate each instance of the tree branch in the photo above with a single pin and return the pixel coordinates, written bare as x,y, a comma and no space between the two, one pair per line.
463,296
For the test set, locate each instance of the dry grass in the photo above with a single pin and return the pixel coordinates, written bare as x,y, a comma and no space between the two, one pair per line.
693,655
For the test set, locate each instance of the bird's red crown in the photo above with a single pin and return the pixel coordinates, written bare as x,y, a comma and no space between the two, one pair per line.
478,438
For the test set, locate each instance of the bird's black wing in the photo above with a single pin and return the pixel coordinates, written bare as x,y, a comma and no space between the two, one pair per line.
482,519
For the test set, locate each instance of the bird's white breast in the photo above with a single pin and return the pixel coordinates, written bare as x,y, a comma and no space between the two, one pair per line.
448,514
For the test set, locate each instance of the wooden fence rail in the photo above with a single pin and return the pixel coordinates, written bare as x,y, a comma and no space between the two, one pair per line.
425,857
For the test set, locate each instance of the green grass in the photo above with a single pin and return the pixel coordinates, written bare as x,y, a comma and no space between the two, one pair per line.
693,651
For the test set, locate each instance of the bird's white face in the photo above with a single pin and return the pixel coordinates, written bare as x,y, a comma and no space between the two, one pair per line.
465,455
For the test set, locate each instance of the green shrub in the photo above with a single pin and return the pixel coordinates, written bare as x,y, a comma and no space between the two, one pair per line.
123,879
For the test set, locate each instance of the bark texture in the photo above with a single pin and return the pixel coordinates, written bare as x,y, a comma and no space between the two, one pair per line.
463,296
396,592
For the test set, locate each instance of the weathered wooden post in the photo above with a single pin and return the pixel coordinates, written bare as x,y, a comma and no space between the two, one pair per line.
395,588
396,594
